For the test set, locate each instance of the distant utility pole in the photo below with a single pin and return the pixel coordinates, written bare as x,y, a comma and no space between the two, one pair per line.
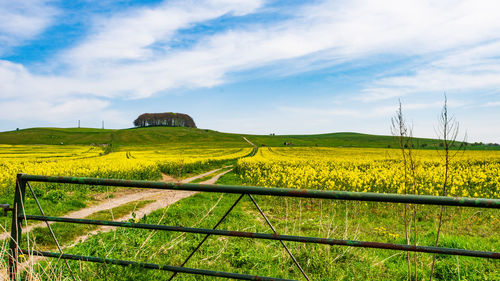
103,124
78,123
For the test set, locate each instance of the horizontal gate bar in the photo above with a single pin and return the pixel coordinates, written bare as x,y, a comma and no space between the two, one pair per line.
303,239
153,266
274,191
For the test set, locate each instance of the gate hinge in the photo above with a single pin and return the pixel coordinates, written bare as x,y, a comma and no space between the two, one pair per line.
6,208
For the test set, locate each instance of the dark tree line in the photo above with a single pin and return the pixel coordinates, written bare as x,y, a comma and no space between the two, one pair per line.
169,119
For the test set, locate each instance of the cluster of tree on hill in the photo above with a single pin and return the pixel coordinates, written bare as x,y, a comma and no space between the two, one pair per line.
169,119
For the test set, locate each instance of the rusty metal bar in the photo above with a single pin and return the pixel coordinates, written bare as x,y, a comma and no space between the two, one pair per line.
281,241
274,191
16,227
154,266
50,229
208,235
303,239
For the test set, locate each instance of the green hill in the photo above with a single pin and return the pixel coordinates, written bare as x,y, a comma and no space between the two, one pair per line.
125,137
151,136
56,136
332,139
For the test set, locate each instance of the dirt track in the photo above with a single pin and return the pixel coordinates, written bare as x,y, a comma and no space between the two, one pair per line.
161,198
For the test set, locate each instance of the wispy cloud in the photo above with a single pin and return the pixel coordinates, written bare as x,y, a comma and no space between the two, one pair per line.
23,20
364,112
143,34
471,69
52,112
492,104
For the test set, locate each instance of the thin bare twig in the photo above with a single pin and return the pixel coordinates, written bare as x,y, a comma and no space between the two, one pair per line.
448,133
400,131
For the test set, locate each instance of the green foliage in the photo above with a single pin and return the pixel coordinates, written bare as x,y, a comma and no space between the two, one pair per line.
231,178
55,196
180,169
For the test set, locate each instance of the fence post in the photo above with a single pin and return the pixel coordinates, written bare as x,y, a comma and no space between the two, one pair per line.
15,234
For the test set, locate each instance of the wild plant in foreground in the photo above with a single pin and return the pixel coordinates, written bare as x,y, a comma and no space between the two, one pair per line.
448,133
404,136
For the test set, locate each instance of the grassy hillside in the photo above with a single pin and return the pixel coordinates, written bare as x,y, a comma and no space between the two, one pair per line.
125,137
334,139
176,135
56,136
199,137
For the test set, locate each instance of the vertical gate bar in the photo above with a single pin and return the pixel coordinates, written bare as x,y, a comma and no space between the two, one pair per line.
16,227
282,243
50,229
206,236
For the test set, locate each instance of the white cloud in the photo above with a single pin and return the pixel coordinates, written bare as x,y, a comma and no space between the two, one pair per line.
475,69
50,111
364,112
130,35
492,104
23,20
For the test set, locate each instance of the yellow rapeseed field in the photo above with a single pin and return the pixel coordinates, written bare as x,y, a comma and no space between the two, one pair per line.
90,161
473,173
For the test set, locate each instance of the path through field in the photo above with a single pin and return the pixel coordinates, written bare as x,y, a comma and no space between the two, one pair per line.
251,143
160,198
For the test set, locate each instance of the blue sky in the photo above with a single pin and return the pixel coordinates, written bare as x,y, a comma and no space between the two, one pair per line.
284,67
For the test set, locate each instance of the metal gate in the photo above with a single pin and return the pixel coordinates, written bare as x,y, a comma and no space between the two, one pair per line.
23,181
